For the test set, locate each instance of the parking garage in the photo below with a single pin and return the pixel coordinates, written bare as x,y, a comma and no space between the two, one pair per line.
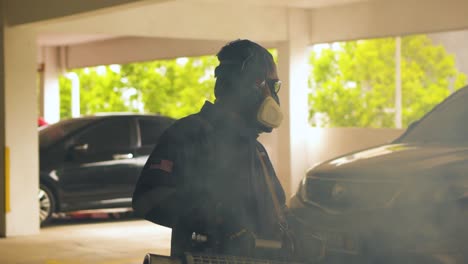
58,37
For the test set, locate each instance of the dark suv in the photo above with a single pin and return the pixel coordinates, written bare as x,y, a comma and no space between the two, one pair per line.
94,162
404,202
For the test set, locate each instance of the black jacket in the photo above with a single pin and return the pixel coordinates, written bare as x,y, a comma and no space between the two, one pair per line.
205,176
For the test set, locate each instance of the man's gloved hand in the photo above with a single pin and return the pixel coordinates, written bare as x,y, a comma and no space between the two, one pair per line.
241,242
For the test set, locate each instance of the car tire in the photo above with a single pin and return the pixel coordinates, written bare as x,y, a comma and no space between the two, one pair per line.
47,203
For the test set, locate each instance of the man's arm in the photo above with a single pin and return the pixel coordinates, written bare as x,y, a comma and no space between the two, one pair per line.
155,197
169,189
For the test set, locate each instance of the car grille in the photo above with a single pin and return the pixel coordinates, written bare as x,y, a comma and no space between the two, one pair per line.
333,241
350,195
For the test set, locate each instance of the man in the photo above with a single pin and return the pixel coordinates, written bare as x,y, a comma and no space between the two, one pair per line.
209,179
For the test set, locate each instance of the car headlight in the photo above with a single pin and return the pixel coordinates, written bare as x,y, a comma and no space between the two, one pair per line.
338,192
325,192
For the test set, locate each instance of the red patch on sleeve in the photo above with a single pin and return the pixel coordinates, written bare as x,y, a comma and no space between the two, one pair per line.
164,165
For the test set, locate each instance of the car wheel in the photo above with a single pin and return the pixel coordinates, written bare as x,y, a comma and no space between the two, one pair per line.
46,204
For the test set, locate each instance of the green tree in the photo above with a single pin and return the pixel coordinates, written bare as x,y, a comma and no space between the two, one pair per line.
101,90
174,88
65,97
353,83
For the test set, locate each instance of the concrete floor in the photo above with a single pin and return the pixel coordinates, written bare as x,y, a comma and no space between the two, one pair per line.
85,242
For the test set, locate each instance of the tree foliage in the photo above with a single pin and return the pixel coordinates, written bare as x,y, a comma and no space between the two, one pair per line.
174,88
353,83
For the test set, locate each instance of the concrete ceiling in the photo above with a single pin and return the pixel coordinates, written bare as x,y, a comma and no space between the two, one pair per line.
259,20
282,3
53,39
266,11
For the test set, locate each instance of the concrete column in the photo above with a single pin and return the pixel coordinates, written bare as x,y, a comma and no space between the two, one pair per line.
20,127
2,126
291,143
51,90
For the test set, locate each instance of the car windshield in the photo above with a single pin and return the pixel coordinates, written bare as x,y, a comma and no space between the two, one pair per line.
49,135
446,123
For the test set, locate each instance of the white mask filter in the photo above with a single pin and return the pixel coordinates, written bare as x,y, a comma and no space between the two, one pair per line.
269,114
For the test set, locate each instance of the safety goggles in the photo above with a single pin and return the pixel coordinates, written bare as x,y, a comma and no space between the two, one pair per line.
274,85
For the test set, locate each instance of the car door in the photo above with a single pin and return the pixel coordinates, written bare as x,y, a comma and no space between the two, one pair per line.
98,161
149,130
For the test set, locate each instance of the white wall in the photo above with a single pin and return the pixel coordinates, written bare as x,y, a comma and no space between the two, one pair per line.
327,143
293,71
20,124
51,88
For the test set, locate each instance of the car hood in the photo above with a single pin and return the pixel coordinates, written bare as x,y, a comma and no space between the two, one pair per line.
394,160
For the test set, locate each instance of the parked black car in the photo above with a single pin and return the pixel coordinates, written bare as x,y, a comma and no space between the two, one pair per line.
406,202
94,162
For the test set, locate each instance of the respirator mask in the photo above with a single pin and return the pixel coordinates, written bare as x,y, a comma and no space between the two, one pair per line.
269,112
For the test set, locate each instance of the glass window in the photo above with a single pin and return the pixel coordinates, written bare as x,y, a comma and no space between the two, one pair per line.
151,130
107,135
51,134
446,123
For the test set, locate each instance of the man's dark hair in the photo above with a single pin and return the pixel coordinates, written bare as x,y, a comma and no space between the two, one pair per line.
240,62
